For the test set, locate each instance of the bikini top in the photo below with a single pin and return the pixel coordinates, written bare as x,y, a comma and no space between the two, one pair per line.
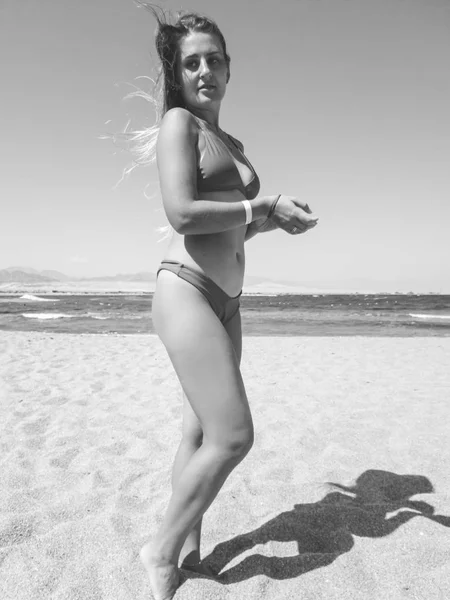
220,167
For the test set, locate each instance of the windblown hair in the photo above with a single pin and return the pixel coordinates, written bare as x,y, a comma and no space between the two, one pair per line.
167,87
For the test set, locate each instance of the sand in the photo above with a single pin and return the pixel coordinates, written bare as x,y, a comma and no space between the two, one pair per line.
90,424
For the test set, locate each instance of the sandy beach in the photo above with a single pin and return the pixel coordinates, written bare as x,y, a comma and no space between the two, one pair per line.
90,424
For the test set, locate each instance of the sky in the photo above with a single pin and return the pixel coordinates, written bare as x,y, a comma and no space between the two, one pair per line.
343,103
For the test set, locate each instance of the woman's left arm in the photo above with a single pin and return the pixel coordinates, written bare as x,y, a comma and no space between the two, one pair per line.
259,226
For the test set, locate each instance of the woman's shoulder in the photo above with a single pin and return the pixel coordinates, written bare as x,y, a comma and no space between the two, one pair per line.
178,126
178,117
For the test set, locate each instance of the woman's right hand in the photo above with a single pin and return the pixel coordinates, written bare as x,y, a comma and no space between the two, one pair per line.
293,215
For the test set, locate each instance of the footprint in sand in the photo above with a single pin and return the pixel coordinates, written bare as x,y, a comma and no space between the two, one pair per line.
37,427
16,531
116,449
64,459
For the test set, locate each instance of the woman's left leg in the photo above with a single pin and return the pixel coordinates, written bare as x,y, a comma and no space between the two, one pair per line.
192,436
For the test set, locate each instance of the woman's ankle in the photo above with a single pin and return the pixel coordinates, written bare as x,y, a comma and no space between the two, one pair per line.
158,554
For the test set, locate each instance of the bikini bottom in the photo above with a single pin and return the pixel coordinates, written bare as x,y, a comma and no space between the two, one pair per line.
222,304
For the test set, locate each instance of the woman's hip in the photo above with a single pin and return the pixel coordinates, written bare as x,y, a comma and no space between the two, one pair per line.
223,305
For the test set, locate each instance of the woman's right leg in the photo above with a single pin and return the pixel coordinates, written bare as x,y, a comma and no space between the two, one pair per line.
205,361
192,437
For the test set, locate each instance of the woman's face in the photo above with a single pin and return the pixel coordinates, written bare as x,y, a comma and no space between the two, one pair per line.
202,71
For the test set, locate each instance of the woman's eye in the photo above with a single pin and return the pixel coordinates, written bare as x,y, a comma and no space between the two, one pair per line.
194,64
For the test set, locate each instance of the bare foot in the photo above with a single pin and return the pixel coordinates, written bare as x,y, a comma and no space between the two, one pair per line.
164,576
199,569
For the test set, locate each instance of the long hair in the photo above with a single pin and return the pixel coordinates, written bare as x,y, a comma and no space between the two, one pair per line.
167,91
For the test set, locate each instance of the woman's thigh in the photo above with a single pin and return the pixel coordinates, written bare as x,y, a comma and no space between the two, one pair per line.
204,357
192,429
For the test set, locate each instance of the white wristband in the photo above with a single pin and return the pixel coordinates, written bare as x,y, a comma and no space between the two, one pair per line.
248,211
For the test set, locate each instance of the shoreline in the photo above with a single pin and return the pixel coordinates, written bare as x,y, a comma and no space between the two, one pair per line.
319,335
250,293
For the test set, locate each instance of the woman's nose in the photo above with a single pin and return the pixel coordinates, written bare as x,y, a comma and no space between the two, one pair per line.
205,71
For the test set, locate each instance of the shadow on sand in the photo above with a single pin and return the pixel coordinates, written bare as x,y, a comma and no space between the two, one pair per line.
324,530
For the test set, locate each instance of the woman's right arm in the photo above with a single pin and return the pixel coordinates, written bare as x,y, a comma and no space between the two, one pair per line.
177,166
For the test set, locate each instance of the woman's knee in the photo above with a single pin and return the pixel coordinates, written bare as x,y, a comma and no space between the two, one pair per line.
192,437
236,444
243,444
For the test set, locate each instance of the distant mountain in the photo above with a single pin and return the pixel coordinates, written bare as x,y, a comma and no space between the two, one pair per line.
17,276
55,275
12,275
29,275
27,270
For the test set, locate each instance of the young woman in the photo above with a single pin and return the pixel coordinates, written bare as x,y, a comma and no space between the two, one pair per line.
210,196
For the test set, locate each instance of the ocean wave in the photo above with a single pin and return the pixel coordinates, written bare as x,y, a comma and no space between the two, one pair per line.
262,294
43,316
32,298
416,316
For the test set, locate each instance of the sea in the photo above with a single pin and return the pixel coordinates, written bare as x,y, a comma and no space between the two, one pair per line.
389,315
